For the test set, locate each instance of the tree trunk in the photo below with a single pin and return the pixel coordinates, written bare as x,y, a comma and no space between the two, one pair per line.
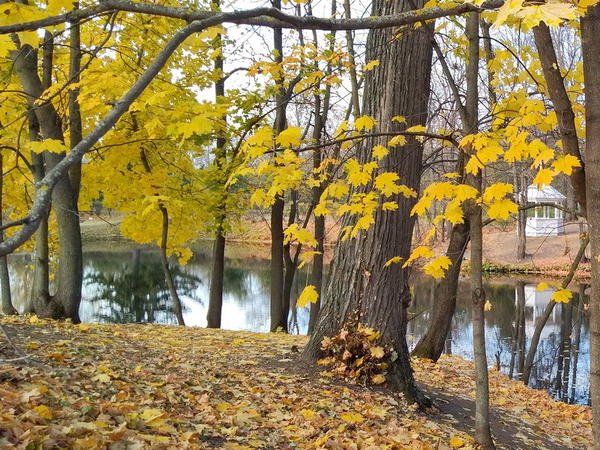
177,309
433,342
7,306
361,289
277,258
590,32
215,297
521,191
64,199
482,396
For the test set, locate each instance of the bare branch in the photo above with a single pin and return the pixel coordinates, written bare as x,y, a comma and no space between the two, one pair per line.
268,17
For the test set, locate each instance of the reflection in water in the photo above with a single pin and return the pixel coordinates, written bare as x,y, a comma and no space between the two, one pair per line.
562,360
129,286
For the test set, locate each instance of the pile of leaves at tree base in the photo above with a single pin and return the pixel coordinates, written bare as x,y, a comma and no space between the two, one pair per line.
153,386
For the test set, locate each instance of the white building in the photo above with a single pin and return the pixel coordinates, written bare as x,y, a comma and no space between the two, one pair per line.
545,220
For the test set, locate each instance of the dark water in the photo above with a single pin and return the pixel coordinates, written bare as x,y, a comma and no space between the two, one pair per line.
124,284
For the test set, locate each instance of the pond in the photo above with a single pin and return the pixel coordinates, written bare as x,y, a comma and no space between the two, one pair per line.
125,283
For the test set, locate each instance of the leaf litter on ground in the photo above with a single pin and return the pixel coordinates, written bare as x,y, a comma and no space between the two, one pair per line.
156,386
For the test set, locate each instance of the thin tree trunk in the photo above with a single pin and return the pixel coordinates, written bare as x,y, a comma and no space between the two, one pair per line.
579,308
590,31
482,396
277,257
177,309
562,106
7,306
521,191
215,296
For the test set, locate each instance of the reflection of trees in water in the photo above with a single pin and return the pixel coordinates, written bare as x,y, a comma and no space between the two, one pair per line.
135,290
562,360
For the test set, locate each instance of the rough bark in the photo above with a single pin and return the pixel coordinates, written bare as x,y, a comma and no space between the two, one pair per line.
360,288
590,32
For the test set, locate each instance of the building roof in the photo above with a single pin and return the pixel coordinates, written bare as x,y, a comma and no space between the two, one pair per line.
545,194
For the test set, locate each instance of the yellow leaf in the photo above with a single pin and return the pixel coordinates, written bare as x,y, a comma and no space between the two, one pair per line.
394,260
377,352
399,119
456,442
352,418
47,145
497,191
378,379
295,233
416,129
290,137
543,178
541,286
44,411
364,123
102,378
379,152
307,413
419,252
565,164
308,295
371,65
502,209
562,296
397,141
437,267
487,306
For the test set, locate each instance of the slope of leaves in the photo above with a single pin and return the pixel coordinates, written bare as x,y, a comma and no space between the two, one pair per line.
151,386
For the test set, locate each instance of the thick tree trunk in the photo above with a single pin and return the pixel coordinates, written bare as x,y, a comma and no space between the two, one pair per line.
590,32
361,289
316,274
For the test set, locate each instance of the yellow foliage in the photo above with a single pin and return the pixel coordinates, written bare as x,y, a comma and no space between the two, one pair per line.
308,295
562,296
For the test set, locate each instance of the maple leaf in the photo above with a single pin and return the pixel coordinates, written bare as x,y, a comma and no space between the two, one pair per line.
364,123
290,137
543,178
502,209
379,152
308,295
437,267
370,65
565,164
562,296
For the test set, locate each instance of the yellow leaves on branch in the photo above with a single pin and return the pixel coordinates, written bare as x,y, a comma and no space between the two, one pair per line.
437,267
47,145
386,184
552,13
290,137
297,234
359,174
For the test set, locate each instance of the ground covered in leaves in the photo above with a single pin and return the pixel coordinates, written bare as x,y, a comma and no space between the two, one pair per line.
151,386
